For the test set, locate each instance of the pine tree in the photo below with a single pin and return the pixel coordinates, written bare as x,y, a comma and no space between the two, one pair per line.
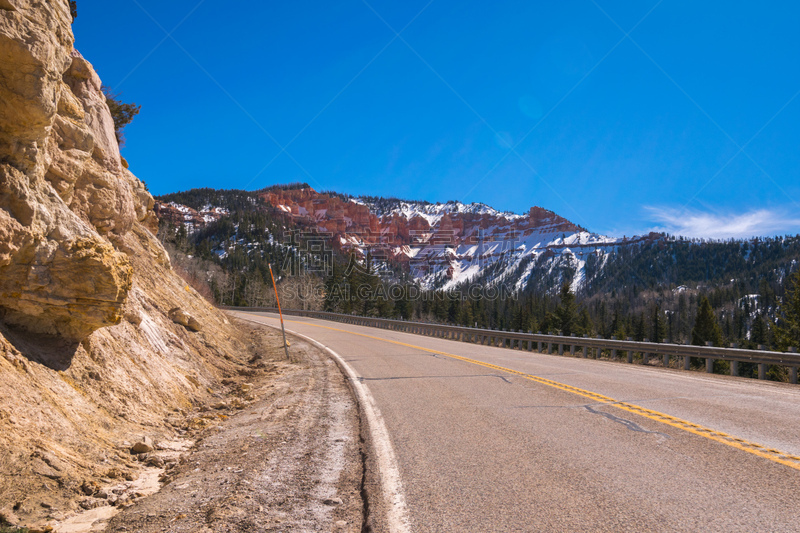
566,312
402,305
759,333
584,323
639,328
659,328
706,327
788,332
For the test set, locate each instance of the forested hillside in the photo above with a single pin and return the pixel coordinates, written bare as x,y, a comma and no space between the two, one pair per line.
647,288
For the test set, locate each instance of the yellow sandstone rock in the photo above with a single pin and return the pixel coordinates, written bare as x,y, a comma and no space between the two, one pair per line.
78,253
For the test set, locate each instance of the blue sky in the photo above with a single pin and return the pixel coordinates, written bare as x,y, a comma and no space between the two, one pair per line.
620,116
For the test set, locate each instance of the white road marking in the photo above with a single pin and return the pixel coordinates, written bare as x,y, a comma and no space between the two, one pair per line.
388,471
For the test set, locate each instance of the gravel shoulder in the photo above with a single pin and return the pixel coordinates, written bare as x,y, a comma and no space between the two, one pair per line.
286,456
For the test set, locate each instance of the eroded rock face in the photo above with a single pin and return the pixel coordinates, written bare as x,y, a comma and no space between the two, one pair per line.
66,199
76,256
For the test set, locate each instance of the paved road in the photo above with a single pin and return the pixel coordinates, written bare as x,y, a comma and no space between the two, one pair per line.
539,443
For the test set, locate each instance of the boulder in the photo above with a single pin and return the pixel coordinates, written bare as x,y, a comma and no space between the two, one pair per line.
143,446
179,316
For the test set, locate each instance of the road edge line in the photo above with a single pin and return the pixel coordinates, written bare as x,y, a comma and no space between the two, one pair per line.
381,443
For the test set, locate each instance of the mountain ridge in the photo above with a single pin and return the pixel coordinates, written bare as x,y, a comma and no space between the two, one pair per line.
441,244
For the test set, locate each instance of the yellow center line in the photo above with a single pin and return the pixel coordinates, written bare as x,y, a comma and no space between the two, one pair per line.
777,456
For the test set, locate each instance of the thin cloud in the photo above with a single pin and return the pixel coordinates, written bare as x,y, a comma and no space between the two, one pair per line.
693,223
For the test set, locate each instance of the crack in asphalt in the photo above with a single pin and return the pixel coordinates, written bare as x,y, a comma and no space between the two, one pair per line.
633,426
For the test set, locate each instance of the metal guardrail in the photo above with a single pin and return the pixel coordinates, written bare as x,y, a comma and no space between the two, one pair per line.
584,346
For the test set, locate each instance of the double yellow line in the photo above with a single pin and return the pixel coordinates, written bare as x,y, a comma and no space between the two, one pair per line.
777,456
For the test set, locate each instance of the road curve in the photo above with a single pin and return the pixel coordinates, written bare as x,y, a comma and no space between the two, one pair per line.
491,439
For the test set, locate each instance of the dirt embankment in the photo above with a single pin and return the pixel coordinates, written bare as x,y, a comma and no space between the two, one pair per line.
290,460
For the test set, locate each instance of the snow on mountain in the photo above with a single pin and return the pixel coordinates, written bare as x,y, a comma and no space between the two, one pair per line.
510,259
432,213
442,245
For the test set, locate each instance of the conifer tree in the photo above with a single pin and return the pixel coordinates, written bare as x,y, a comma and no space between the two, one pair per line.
759,333
788,332
659,328
706,327
566,314
639,328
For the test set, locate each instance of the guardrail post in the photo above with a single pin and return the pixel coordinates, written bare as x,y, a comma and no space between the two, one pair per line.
762,367
549,348
709,361
585,352
560,349
793,369
734,364
630,352
572,350
530,342
645,355
686,360
666,360
599,349
613,350
539,346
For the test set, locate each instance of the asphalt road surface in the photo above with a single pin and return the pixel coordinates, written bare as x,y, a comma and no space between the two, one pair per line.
492,439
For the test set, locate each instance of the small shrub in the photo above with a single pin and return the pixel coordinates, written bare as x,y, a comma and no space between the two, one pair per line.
121,112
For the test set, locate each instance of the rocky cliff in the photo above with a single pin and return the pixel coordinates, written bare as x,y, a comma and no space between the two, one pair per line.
445,244
89,357
401,223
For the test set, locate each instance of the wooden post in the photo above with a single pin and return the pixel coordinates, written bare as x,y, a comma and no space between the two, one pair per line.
278,301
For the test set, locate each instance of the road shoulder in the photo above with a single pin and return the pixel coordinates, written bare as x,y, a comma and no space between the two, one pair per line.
292,459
